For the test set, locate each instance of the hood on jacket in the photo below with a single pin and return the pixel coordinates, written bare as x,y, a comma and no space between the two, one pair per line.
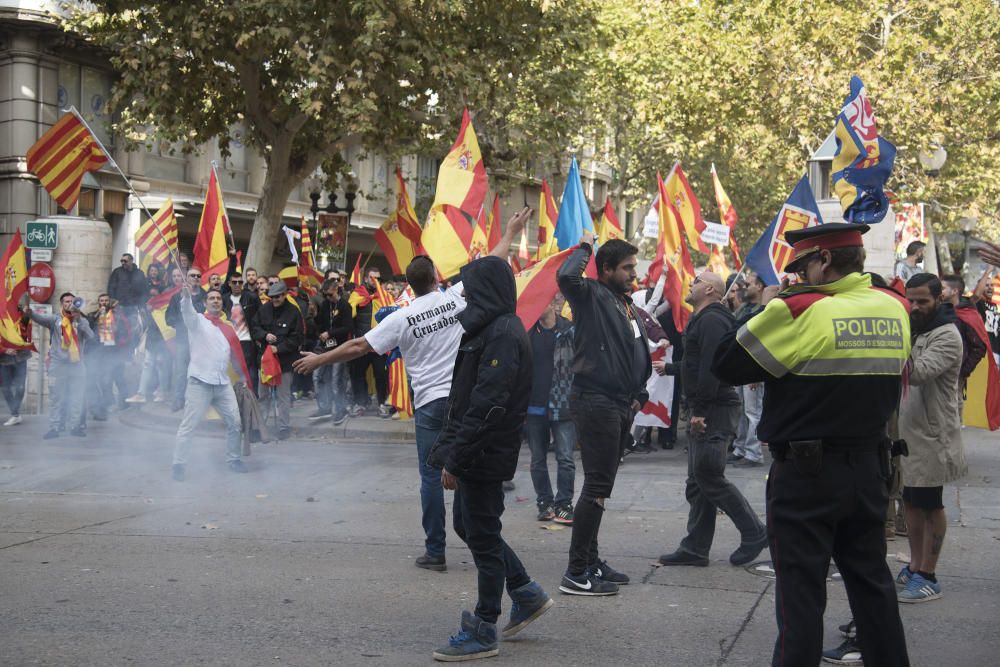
489,293
945,314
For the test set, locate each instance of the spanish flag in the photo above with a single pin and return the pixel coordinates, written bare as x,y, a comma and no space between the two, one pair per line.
536,286
982,391
356,273
399,235
157,306
727,214
62,156
14,268
157,237
454,216
673,256
211,254
548,214
684,202
717,263
493,232
609,227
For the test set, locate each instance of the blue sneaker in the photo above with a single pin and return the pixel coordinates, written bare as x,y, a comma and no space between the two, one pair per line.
920,590
904,576
529,602
477,639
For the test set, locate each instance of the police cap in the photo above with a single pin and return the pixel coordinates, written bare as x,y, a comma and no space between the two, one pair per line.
806,242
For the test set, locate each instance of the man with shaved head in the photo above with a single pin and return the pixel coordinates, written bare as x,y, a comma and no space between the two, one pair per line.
715,415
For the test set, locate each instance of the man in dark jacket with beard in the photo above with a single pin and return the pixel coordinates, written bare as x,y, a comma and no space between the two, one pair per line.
715,415
477,451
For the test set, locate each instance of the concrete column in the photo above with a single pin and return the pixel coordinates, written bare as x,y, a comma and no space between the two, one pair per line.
257,172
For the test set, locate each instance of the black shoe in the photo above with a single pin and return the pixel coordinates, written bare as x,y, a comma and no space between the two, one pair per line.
683,558
748,551
52,433
284,434
435,563
318,416
848,653
669,444
340,419
78,432
586,584
605,572
178,472
238,466
747,463
847,629
734,458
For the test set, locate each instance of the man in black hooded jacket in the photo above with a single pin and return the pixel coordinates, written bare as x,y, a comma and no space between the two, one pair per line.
478,448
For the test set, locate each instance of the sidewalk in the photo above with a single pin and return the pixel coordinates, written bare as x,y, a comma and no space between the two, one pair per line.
368,428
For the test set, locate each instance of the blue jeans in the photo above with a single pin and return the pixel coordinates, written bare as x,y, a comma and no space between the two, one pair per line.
330,383
12,378
428,420
538,429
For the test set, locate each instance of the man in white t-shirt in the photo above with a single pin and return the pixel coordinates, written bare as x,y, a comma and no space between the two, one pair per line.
427,333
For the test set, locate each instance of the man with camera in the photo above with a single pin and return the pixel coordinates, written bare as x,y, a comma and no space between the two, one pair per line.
68,330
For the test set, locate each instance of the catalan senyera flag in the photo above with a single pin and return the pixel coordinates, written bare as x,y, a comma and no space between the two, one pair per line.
399,234
548,214
863,160
536,286
399,385
687,206
672,255
14,266
453,234
62,156
381,295
310,278
609,227
493,232
157,306
157,246
727,215
982,390
996,289
211,253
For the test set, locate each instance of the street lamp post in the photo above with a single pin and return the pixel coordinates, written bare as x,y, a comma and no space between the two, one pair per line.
315,190
967,225
932,160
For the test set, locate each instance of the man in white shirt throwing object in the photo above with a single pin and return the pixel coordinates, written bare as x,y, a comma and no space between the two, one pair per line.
427,333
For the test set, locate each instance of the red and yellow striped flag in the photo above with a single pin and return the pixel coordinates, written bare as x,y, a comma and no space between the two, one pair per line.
399,234
62,156
683,200
727,214
452,233
548,214
399,387
310,278
211,254
156,246
14,268
157,306
609,227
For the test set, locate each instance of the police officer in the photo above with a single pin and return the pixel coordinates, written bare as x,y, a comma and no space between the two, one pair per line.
830,352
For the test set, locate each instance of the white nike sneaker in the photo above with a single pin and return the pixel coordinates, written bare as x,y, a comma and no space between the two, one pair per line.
13,421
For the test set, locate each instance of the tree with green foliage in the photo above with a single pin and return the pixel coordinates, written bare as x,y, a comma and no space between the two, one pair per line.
306,77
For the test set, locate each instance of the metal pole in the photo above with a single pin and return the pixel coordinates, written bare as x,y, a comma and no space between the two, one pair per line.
135,194
735,280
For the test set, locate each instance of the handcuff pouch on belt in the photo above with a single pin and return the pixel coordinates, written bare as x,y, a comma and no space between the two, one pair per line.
806,456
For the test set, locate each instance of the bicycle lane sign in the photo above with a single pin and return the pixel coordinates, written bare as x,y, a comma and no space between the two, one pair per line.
41,235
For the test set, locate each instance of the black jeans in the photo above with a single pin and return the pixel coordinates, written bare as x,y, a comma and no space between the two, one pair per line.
838,511
476,513
708,490
359,381
602,427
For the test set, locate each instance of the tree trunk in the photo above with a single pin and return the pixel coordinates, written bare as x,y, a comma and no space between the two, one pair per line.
278,186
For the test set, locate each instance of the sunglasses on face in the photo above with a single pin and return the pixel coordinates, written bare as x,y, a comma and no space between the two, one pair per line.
194,275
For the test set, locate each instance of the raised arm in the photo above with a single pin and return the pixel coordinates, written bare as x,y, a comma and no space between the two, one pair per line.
514,228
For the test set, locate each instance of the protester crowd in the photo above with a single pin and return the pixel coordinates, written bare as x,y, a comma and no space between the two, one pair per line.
574,380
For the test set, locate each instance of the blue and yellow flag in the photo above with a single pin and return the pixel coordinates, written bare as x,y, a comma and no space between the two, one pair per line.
772,252
863,160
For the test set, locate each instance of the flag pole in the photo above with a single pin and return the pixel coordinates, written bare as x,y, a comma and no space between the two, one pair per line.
125,178
365,265
735,280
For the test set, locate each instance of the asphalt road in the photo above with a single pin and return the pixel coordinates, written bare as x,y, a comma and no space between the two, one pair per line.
308,560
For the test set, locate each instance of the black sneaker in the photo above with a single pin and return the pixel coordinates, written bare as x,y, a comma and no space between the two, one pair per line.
586,584
733,458
847,629
52,433
284,434
238,466
546,513
605,572
78,432
848,653
178,472
683,558
747,463
434,563
340,419
748,551
564,515
318,416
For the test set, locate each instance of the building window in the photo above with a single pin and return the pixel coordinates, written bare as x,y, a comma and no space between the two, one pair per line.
166,161
88,90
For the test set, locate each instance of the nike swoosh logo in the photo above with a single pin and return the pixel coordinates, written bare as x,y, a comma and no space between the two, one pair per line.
586,588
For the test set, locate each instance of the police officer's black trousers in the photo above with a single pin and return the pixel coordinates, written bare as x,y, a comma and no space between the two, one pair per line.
838,511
